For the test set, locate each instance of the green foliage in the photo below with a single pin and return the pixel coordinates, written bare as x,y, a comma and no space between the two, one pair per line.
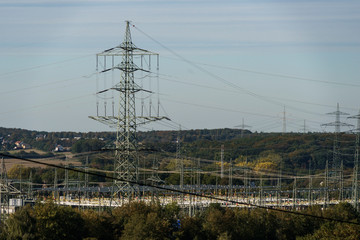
44,221
97,225
57,222
21,225
142,221
87,145
32,154
19,172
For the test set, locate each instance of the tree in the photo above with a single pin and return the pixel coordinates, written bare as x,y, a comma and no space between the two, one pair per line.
19,172
97,225
21,225
58,222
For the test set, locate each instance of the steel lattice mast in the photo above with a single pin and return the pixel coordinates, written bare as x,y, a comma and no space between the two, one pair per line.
355,187
337,162
126,147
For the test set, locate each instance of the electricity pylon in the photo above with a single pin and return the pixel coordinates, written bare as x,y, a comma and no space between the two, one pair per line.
179,160
355,187
337,163
6,189
284,122
242,127
337,124
126,164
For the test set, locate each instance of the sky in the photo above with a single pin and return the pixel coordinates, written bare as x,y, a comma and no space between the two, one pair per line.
222,63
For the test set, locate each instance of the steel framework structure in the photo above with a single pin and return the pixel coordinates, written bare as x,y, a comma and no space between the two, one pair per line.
126,146
337,173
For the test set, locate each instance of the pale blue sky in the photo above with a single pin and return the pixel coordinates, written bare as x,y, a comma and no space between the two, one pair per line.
260,56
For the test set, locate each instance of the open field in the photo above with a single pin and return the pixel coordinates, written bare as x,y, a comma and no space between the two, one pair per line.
9,163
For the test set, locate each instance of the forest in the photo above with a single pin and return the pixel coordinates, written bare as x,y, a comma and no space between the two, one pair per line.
141,221
293,152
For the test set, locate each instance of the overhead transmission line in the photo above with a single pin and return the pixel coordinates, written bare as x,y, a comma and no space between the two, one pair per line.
47,104
168,78
45,84
264,98
276,74
43,65
184,192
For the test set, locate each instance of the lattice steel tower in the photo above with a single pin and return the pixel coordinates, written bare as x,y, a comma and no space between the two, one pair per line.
355,187
337,173
126,122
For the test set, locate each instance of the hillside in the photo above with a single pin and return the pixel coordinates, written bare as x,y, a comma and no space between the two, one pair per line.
295,149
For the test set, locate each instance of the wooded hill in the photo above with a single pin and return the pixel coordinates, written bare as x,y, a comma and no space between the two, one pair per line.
293,150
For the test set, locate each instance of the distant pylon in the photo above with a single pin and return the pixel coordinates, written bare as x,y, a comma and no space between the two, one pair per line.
222,161
355,187
154,179
337,124
6,189
30,186
242,127
304,127
179,160
284,121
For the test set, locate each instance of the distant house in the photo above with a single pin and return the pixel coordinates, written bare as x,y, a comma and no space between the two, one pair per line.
40,137
77,138
21,145
59,148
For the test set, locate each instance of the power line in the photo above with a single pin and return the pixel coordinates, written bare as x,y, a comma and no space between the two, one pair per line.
219,108
182,192
253,94
46,84
47,104
41,66
277,74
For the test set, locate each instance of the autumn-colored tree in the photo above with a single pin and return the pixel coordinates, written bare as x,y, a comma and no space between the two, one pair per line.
57,222
20,225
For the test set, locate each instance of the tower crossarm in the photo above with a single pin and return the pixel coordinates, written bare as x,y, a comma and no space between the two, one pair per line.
7,188
112,121
119,51
125,67
337,124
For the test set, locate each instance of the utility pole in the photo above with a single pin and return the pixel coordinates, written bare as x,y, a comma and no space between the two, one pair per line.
30,189
355,187
86,177
341,192
154,179
247,181
126,163
284,122
222,161
310,185
278,195
230,179
55,185
66,177
4,192
326,195
294,193
179,161
304,129
6,189
261,195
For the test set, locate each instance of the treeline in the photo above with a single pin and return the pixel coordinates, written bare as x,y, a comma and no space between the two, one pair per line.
297,151
142,221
